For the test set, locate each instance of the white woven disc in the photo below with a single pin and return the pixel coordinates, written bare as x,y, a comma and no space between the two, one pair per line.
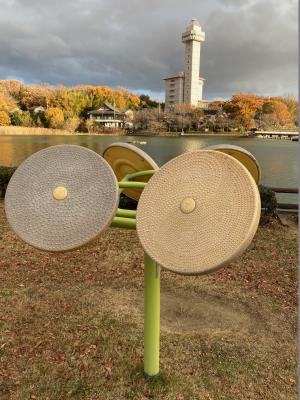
61,198
125,158
198,212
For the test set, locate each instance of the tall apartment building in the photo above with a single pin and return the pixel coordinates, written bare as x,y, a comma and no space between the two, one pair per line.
186,87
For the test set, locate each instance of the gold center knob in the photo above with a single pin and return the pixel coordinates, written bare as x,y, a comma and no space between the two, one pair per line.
188,205
60,193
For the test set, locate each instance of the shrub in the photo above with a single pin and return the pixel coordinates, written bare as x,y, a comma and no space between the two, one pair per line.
21,118
39,119
54,117
71,124
5,175
268,200
4,118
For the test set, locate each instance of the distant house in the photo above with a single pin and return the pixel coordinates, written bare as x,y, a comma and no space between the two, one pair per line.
108,116
38,109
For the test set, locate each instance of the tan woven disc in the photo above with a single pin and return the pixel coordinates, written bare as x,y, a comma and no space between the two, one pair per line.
242,155
203,234
125,158
61,198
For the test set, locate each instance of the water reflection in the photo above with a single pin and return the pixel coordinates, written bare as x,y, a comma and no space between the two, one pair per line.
278,158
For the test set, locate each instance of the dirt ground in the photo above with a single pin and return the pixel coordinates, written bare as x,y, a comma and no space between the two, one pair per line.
71,325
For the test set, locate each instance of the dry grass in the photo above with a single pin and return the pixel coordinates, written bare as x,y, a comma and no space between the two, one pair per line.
71,325
21,130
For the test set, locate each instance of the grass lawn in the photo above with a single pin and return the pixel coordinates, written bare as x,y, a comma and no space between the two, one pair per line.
71,325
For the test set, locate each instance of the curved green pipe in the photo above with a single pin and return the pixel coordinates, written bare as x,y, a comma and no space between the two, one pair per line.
121,222
138,174
128,177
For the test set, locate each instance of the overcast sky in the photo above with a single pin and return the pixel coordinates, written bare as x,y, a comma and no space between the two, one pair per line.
251,45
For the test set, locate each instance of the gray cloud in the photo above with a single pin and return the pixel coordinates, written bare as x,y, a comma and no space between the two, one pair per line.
250,45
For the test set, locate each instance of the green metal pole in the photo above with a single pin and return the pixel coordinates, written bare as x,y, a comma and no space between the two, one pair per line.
134,185
120,222
121,212
151,316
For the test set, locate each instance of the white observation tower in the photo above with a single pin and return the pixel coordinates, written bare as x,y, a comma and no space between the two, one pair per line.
186,87
192,37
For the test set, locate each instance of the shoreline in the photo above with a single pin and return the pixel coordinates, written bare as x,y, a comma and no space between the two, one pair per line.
34,131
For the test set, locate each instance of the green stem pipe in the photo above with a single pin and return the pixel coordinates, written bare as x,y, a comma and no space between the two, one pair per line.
132,176
132,185
151,316
125,213
120,222
138,174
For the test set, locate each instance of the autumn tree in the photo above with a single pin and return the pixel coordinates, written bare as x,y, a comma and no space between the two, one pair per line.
10,87
6,102
275,114
216,104
31,96
170,119
73,102
149,118
242,108
4,118
89,125
54,117
282,113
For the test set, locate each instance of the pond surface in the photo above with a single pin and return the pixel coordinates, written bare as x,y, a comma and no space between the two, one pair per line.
278,158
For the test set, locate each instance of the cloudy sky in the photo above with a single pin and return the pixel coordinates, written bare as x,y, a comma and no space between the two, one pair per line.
251,45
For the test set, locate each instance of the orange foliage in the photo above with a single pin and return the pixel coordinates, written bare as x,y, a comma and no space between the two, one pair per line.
281,113
242,107
11,87
216,104
33,96
74,101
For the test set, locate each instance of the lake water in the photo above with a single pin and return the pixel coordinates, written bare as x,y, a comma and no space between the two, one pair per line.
278,158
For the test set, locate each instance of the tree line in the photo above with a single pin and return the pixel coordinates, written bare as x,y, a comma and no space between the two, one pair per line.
67,107
57,106
242,112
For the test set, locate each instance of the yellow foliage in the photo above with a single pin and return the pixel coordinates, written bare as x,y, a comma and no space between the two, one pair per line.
4,118
6,103
54,117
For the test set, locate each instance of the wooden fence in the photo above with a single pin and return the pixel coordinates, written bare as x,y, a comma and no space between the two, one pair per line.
286,206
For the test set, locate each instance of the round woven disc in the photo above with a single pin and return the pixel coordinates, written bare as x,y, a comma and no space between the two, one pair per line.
198,212
242,155
125,158
61,198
